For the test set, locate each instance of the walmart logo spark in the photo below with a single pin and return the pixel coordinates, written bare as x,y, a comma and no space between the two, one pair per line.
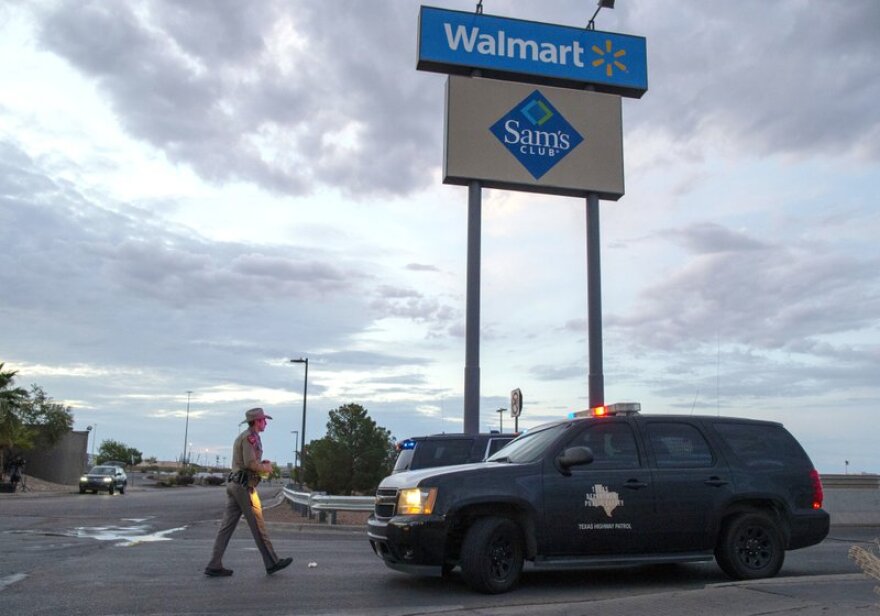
611,61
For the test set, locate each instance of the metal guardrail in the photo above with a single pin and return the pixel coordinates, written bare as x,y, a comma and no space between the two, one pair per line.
310,503
864,481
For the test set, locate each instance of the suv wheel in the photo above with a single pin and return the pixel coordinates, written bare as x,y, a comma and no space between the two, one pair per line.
492,555
122,489
110,490
750,547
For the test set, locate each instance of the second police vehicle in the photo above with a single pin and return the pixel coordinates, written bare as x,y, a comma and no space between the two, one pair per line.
610,488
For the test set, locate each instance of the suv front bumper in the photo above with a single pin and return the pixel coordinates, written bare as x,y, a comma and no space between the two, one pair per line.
413,544
97,485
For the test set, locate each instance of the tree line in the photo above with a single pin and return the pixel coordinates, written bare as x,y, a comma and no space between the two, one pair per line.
352,458
28,419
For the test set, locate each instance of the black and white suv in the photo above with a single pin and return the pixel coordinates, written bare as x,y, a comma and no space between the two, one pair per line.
622,488
447,449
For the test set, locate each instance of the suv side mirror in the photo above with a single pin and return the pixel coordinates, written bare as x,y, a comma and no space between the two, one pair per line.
574,456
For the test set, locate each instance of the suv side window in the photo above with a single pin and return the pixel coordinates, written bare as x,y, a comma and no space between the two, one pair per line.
442,452
759,446
613,445
679,445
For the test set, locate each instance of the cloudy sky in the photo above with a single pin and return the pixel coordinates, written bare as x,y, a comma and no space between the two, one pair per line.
193,193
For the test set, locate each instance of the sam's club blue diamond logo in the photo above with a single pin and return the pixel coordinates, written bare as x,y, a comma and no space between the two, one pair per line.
536,134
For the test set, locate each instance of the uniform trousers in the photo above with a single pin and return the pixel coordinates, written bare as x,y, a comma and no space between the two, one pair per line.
242,501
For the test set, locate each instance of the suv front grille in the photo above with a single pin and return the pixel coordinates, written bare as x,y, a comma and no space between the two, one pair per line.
386,503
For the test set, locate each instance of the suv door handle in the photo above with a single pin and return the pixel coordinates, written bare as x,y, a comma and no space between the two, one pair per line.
716,482
635,484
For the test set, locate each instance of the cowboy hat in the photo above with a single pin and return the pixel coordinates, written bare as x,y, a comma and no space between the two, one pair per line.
254,414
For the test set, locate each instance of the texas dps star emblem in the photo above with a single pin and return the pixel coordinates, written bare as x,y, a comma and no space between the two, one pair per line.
602,497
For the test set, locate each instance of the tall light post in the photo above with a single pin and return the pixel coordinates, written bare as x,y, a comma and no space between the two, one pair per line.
94,438
295,448
302,434
293,474
186,431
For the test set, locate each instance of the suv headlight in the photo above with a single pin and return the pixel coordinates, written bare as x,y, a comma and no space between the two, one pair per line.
108,479
416,501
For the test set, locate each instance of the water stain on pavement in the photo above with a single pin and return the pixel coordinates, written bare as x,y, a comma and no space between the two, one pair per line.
125,536
122,536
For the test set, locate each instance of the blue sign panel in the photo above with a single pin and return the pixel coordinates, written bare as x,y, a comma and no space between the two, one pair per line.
461,42
536,134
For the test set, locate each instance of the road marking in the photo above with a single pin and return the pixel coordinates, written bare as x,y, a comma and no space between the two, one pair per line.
9,580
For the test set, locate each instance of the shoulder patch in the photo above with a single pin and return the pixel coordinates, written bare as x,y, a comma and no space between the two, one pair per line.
252,439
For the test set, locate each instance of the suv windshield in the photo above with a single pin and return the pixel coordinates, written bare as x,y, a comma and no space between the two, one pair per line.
531,445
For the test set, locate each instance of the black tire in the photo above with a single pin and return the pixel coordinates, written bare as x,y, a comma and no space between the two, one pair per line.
492,555
122,489
82,490
110,490
750,547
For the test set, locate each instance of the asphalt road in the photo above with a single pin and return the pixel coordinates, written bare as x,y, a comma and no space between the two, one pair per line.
144,552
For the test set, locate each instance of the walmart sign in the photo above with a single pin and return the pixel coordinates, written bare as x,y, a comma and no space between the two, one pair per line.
460,42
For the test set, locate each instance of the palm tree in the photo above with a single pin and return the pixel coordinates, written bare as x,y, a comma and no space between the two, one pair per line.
12,431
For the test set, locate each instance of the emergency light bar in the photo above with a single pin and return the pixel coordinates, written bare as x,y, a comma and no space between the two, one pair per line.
618,408
407,444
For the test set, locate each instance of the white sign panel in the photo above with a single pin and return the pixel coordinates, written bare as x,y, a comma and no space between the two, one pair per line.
534,138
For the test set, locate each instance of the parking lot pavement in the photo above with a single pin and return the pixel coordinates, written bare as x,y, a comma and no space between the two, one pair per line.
815,596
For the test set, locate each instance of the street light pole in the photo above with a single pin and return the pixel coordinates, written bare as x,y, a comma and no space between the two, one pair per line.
501,419
185,431
303,360
94,436
295,448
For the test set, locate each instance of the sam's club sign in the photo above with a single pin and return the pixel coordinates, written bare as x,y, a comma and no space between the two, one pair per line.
459,42
518,136
536,134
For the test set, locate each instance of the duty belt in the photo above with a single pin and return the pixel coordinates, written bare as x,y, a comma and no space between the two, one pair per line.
239,477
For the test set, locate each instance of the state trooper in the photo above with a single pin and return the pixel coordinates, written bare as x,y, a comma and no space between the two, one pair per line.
243,500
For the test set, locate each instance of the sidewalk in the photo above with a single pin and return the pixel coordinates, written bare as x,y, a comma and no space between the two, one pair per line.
829,595
39,487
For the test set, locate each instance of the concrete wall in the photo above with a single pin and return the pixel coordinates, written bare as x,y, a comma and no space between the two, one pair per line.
852,500
64,463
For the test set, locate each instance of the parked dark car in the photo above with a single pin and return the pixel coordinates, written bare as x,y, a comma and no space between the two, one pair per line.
618,489
447,449
104,478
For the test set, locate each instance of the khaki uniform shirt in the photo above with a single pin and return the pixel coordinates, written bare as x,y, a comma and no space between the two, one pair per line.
247,454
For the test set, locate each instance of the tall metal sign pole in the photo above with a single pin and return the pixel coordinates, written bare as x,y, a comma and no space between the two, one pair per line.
472,319
596,379
534,107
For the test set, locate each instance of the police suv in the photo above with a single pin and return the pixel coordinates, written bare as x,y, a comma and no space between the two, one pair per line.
613,487
447,449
